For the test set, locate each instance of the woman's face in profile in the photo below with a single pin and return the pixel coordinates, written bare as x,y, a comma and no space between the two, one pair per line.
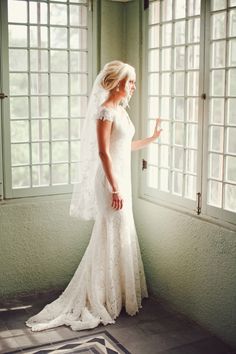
127,87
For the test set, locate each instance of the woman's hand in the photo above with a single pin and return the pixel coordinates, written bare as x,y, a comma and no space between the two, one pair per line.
157,130
117,201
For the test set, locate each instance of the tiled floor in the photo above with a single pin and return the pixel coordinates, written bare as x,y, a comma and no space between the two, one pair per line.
153,330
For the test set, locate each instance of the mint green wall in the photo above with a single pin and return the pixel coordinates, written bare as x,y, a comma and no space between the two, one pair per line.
189,263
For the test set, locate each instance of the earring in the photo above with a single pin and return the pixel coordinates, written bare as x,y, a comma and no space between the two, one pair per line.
118,88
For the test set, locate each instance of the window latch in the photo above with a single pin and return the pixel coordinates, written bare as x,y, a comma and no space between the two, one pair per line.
2,96
144,164
203,96
199,203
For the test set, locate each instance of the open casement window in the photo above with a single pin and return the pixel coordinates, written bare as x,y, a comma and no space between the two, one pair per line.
47,51
189,62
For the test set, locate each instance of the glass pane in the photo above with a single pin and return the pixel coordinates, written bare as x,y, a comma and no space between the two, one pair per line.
76,128
190,187
18,60
78,84
215,167
58,37
78,15
60,151
39,84
40,175
180,58
231,140
78,106
17,36
191,161
230,197
192,109
166,34
230,174
231,112
154,12
232,52
152,177
178,158
193,56
39,107
217,110
165,83
180,32
153,60
39,130
59,60
19,107
179,108
150,126
215,193
218,5
78,38
75,150
19,84
58,14
59,107
193,7
166,10
218,54
193,83
59,84
232,82
75,172
165,108
217,83
218,25
38,37
177,183
232,3
178,133
194,30
153,154
17,11
19,131
179,84
165,136
164,156
59,174
164,180
153,84
192,138
38,60
20,177
38,12
166,59
20,154
78,61
180,9
232,23
154,37
216,139
59,129
40,153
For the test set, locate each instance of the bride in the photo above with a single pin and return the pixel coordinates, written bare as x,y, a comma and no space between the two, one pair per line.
110,274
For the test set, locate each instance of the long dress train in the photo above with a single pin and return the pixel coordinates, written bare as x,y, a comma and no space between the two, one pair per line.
110,274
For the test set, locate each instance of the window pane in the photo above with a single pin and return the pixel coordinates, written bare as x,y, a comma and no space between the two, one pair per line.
78,38
38,60
194,30
180,32
180,8
20,154
230,174
178,133
38,36
166,34
18,60
58,37
59,151
59,60
180,58
231,113
154,37
232,82
192,109
192,131
179,108
177,183
59,84
178,158
165,108
78,61
215,166
59,174
217,83
78,84
166,59
19,107
19,84
39,84
40,175
59,129
58,14
216,139
19,131
230,197
39,130
190,187
20,177
165,137
193,83
153,63
152,177
232,52
59,107
164,156
218,5
76,128
78,15
215,193
218,25
193,56
232,23
17,36
191,161
166,10
231,140
164,180
40,153
217,110
38,12
75,150
17,11
39,107
218,54
165,84
154,12
193,7
78,106
153,154
179,84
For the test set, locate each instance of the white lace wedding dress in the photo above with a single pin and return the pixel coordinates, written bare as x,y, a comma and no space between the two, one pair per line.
110,274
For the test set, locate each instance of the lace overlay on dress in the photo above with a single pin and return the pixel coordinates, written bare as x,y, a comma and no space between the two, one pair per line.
110,274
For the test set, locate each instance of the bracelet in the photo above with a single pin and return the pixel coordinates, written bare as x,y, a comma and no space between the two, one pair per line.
115,192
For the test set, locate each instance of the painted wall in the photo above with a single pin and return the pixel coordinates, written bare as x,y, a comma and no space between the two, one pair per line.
189,263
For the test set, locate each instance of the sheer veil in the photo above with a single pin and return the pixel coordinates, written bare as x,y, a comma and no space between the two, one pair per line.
83,197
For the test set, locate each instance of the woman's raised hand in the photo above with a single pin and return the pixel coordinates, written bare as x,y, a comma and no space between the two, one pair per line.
157,129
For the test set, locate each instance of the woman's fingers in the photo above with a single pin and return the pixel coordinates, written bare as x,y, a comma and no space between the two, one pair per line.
117,203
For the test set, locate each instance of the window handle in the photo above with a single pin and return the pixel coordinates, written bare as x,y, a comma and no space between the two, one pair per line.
2,96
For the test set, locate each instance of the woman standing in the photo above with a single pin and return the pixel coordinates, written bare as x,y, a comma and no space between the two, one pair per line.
110,274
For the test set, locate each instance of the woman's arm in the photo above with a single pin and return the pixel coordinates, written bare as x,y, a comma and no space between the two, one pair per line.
103,138
140,144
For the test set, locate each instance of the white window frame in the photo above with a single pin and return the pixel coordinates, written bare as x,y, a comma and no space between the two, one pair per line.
6,190
207,212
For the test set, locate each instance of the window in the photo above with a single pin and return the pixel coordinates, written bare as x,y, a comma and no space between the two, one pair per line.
192,87
47,60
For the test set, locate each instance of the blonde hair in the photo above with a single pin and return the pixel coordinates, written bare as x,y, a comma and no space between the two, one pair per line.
114,72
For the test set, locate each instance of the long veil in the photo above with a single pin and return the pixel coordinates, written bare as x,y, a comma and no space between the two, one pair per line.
83,203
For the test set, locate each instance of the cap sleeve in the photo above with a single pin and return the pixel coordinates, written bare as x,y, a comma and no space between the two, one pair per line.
106,114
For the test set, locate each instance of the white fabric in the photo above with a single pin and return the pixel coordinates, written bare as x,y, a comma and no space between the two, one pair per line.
111,273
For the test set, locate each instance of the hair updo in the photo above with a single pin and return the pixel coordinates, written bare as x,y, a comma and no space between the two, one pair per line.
114,72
